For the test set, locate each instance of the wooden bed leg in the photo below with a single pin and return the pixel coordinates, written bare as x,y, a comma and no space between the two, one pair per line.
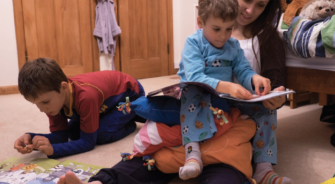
323,99
293,100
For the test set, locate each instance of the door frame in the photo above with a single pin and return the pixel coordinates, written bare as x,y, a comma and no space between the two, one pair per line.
20,37
172,70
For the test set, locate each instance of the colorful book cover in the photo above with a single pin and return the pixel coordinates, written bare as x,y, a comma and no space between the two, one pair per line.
174,91
42,170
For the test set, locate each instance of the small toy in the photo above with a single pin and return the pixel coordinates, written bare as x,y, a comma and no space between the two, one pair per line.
189,149
219,114
150,162
291,9
124,106
318,9
26,146
126,156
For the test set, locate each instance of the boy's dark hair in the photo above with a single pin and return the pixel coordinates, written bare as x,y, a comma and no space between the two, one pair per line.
40,76
224,9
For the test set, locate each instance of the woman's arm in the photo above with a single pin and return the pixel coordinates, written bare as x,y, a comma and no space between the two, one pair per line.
273,59
273,67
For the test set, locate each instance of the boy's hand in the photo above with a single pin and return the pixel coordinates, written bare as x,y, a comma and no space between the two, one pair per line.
260,81
275,102
237,91
21,144
42,144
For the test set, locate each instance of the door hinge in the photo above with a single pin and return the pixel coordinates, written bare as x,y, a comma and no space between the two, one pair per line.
26,54
168,48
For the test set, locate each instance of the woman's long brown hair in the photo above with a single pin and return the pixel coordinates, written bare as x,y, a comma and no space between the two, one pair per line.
272,46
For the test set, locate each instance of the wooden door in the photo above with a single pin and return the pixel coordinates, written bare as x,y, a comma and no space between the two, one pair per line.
61,30
144,38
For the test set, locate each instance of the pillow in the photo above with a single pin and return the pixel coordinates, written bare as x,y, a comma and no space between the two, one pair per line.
165,109
232,147
154,136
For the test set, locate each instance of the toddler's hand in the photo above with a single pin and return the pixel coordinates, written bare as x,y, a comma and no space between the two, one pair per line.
22,144
260,81
238,91
42,144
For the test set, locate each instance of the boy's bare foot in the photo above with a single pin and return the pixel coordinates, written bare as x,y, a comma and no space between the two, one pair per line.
71,178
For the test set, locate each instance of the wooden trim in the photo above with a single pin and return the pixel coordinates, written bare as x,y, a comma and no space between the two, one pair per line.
95,47
172,70
323,99
124,25
302,79
116,59
5,90
20,38
293,101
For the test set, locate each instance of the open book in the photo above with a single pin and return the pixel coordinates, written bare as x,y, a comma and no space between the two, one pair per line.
42,170
174,91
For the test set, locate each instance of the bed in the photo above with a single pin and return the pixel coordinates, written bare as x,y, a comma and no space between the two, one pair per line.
312,74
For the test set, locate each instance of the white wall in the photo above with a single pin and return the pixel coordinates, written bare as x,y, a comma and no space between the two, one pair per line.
106,62
9,66
184,25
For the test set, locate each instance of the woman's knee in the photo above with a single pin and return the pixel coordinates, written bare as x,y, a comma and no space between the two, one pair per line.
221,173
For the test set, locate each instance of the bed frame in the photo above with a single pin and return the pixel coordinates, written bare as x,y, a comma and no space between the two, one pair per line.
319,81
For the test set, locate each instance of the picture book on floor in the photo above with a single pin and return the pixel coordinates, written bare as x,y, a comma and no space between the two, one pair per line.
42,170
174,91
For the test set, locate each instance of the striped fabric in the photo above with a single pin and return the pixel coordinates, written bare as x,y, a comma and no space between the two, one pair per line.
154,136
308,38
148,135
271,178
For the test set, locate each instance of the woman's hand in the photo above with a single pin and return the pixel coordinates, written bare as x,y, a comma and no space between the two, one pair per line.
260,81
275,102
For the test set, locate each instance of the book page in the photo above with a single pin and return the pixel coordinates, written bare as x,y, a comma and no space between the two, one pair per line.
257,98
175,91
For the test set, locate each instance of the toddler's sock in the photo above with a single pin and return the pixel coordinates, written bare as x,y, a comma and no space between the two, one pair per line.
193,164
264,174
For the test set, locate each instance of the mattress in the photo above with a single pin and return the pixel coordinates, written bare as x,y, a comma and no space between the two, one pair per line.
310,63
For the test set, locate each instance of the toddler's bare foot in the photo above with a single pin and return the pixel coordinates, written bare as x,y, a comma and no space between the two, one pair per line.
71,178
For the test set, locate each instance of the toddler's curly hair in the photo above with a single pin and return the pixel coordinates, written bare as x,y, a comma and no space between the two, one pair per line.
224,9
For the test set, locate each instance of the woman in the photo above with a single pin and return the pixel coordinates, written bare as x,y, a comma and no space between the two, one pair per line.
255,16
265,51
